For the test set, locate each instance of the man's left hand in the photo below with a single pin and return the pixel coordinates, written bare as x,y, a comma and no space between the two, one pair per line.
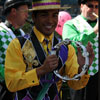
81,59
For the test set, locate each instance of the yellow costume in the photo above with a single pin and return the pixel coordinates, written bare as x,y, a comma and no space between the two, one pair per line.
16,76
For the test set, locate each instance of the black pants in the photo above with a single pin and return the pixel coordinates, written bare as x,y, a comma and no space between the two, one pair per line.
92,88
90,92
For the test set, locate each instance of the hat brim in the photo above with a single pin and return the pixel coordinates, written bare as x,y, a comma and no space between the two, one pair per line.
5,10
47,8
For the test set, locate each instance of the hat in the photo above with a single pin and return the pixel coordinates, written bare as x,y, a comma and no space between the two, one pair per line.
62,18
14,4
84,1
46,4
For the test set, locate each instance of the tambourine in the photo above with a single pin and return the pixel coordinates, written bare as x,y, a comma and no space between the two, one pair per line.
84,53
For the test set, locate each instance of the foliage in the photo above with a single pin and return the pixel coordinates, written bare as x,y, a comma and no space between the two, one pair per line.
27,27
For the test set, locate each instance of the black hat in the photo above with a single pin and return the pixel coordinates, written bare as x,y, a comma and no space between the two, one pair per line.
84,1
12,3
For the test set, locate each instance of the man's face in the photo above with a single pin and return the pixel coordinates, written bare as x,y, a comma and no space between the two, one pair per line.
46,21
88,9
21,15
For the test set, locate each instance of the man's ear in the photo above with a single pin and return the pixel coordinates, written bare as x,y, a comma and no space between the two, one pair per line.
81,6
33,16
13,11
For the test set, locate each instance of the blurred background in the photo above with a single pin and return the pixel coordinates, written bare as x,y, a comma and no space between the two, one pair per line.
74,10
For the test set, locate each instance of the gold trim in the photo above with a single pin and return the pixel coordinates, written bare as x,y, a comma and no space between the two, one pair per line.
47,8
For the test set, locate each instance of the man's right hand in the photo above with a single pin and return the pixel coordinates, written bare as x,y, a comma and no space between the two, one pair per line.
96,28
50,63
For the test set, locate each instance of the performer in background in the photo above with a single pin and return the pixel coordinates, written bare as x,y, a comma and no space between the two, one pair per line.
85,28
16,13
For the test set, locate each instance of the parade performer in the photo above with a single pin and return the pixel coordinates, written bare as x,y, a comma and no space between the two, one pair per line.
84,28
29,64
15,13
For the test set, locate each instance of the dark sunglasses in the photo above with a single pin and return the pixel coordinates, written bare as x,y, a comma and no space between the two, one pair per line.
92,6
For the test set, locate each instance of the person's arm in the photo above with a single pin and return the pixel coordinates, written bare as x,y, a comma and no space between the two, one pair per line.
96,28
82,82
71,65
15,68
16,77
71,69
81,59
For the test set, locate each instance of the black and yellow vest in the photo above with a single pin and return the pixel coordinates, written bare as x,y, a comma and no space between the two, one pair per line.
32,51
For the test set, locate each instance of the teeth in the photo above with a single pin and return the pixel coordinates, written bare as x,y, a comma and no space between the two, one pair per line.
48,26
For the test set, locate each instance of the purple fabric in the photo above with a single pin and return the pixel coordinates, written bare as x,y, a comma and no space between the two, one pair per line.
56,97
52,80
15,98
26,36
27,97
63,53
44,4
46,97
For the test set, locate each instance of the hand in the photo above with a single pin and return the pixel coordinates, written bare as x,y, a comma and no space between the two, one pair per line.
91,53
96,28
50,63
81,59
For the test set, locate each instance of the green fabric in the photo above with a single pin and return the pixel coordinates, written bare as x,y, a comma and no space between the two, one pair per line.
70,31
1,73
45,88
5,39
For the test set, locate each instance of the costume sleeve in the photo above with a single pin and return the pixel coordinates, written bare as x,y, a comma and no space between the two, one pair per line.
2,56
16,76
71,62
71,69
76,85
70,31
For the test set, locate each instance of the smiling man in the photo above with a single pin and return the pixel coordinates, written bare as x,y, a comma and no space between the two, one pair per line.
29,64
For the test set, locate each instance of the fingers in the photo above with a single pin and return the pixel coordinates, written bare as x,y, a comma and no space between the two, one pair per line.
90,49
50,63
53,62
91,53
96,28
79,49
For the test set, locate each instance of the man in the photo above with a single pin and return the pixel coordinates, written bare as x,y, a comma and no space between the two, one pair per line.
16,13
84,28
29,64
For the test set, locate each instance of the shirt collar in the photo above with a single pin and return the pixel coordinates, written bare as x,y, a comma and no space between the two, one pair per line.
89,21
83,17
40,36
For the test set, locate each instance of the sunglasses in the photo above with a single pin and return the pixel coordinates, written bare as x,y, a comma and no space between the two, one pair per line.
92,6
